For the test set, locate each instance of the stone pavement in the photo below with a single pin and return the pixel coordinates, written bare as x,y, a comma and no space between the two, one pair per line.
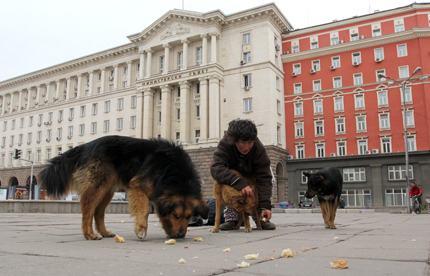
372,243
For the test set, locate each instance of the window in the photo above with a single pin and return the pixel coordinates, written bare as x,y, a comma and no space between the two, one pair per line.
112,73
297,88
299,130
403,71
133,122
178,92
318,106
320,150
386,145
412,145
382,98
358,79
119,124
124,84
246,38
199,55
278,107
319,128
338,104
30,138
247,105
379,54
334,40
356,58
341,148
402,50
106,126
94,127
359,101
159,116
247,79
197,135
180,60
111,87
107,106
362,147
178,114
70,131
297,68
39,136
95,108
354,37
361,123
337,82
125,70
81,129
48,154
30,121
378,78
197,111
298,109
314,45
60,115
354,174
399,172
357,198
295,49
410,122
133,101
120,104
399,28
408,95
247,57
83,110
384,121
395,197
335,61
50,119
161,64
316,65
40,121
278,83
317,85
340,125
377,32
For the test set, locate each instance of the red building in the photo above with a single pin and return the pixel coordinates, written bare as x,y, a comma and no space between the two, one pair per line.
339,112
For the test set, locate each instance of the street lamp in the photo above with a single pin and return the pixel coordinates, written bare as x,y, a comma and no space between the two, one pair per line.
403,85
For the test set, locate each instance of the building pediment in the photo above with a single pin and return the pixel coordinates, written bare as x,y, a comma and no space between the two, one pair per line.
176,29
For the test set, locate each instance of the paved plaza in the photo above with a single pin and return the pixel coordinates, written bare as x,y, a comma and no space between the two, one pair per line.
372,243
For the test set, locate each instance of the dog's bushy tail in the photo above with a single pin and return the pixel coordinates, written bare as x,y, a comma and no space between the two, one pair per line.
56,179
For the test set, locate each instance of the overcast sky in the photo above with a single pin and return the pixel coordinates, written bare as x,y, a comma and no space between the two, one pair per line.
36,34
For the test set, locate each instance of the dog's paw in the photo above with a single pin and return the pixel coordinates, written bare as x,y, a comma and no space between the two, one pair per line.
93,236
332,227
215,231
248,230
141,234
109,234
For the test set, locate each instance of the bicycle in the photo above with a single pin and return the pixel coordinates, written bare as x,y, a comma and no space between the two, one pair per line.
416,207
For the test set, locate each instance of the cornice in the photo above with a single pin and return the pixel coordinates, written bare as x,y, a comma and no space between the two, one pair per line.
69,66
356,19
358,44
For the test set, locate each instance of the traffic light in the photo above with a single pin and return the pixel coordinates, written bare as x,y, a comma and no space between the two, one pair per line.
17,154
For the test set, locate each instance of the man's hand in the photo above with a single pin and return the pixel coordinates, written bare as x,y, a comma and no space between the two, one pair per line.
247,191
266,213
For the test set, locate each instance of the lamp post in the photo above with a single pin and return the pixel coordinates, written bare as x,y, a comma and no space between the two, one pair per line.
405,127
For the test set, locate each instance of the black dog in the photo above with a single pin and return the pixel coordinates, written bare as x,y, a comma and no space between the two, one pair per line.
326,184
153,170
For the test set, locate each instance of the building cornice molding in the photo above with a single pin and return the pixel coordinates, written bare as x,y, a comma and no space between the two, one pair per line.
358,44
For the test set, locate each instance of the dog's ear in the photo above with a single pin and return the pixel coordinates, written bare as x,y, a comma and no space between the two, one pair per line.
164,205
202,209
307,174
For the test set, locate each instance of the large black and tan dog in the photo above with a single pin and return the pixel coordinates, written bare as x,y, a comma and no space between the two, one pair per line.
226,195
326,184
151,170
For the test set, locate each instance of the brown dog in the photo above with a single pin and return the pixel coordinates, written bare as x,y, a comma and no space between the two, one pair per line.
226,195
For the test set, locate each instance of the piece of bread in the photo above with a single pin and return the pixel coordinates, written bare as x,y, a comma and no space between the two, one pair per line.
288,253
119,239
199,239
171,241
341,264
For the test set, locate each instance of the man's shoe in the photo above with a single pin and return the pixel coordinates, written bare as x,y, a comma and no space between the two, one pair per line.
229,225
267,225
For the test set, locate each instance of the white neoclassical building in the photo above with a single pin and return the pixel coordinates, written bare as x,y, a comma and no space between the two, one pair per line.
183,78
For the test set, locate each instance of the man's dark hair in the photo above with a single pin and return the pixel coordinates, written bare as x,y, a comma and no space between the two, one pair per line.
244,130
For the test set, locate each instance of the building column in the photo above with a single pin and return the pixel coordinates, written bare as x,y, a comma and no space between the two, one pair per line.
129,63
142,64
185,121
148,113
90,83
79,88
148,62
28,99
185,43
204,110
115,77
166,106
48,92
68,85
214,37
214,108
204,49
103,81
166,58
3,104
58,91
